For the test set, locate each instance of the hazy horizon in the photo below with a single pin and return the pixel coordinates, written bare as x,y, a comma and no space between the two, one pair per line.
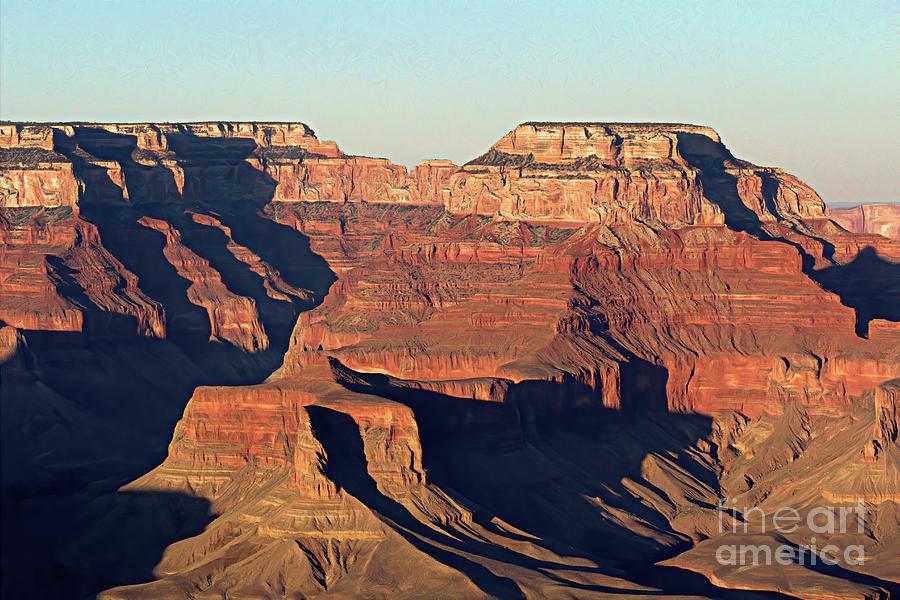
409,82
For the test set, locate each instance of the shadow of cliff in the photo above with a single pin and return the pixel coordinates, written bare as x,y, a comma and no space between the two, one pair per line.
110,399
803,556
542,461
97,323
868,284
111,540
347,467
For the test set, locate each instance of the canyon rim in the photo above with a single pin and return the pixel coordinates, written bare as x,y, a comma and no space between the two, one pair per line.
599,360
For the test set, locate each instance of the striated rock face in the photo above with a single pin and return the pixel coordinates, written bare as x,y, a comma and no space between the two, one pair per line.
55,269
588,172
880,219
613,143
887,415
35,176
534,375
232,318
26,136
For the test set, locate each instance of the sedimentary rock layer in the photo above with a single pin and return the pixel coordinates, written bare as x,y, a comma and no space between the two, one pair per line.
535,374
880,219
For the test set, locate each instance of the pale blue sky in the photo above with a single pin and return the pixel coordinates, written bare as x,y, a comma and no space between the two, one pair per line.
808,86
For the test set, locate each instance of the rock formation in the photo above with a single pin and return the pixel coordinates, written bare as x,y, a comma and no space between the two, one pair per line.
532,375
880,219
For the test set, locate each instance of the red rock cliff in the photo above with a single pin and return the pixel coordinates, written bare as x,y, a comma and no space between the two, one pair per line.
880,219
590,332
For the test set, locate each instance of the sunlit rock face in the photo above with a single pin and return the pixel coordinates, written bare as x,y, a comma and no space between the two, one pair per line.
879,219
239,362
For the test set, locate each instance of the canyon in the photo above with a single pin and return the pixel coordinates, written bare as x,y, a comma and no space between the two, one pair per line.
237,362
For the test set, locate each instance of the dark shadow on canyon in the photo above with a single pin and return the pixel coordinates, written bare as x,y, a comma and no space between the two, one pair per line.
340,438
803,557
536,459
868,284
95,544
86,412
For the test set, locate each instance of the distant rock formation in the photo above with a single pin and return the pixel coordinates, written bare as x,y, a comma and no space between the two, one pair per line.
880,219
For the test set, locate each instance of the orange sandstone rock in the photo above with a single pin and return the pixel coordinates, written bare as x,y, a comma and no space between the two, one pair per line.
881,219
531,375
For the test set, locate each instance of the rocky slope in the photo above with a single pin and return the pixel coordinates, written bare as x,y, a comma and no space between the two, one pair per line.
533,375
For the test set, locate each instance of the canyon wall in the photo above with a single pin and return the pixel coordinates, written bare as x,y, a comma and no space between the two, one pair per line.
495,372
879,219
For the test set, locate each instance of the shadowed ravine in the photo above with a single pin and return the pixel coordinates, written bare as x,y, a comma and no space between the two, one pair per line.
70,534
467,446
868,284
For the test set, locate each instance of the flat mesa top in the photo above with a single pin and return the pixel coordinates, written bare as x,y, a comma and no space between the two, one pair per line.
557,128
623,127
609,124
647,125
207,122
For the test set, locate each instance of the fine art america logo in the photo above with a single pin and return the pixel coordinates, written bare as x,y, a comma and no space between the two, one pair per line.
823,521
